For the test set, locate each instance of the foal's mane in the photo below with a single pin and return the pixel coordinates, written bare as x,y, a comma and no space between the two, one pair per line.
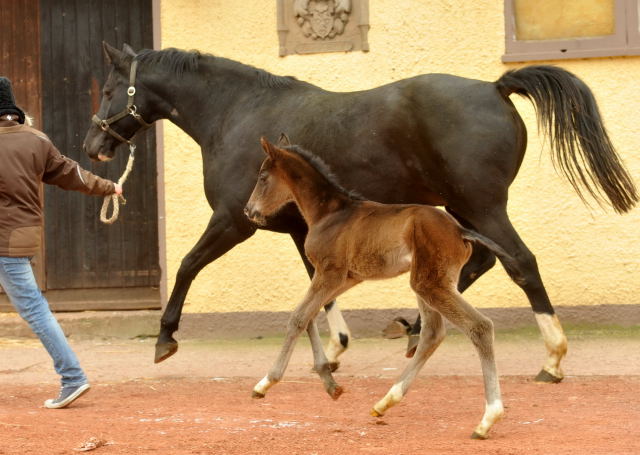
179,62
323,169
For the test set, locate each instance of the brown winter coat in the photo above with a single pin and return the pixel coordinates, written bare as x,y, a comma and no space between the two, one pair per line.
27,157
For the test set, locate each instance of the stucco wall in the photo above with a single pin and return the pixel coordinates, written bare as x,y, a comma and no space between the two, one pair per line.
586,256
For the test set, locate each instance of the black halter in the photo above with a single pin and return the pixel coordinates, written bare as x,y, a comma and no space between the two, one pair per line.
130,109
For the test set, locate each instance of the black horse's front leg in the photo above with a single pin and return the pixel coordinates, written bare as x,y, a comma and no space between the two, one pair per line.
221,235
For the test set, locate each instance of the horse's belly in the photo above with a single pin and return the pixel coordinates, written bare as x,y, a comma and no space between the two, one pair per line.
381,265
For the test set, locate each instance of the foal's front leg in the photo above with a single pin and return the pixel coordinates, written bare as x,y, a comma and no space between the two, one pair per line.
323,289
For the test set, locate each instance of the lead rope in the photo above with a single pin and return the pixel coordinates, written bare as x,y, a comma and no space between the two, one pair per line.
117,199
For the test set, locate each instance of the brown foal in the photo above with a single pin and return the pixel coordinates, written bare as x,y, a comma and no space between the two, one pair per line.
351,240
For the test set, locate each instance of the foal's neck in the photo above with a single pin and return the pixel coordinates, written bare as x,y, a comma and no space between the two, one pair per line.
314,194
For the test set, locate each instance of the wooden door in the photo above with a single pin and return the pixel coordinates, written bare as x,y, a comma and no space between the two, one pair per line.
83,253
20,62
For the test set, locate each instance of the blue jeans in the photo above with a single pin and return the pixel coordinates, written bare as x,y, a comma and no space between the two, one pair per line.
18,281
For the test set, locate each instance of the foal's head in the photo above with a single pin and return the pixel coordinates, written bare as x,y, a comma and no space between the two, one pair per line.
271,193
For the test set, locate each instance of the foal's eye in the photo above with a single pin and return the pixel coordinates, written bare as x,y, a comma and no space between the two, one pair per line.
262,177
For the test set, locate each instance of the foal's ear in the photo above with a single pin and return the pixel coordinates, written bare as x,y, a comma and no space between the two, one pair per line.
113,55
268,147
128,50
283,140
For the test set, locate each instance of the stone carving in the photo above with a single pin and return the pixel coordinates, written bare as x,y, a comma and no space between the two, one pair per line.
322,19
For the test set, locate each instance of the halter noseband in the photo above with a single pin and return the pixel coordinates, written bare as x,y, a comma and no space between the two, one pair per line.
130,109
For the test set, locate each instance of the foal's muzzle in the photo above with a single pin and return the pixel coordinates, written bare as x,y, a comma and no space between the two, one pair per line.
254,215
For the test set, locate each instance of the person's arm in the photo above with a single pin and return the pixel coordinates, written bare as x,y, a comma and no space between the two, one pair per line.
67,174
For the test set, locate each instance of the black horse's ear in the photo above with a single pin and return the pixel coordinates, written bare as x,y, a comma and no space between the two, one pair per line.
113,55
128,50
283,140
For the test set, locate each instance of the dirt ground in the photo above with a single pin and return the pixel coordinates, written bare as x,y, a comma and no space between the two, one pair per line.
199,401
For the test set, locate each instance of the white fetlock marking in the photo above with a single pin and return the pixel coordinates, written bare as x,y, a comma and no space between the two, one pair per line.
338,326
492,413
262,386
554,340
393,397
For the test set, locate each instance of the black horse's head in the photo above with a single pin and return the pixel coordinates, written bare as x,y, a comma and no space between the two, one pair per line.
122,108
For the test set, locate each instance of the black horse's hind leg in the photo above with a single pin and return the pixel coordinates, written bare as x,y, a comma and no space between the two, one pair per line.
220,236
480,262
339,331
495,224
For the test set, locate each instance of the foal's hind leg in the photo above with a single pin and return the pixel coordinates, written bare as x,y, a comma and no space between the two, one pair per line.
432,334
339,334
480,262
479,329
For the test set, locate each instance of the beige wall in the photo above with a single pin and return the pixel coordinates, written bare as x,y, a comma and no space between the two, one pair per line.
586,256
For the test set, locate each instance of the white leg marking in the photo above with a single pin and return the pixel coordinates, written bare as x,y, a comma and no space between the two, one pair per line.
337,326
393,397
492,413
262,386
554,340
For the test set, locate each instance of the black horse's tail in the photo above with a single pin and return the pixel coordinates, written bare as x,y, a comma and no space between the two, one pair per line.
569,115
510,264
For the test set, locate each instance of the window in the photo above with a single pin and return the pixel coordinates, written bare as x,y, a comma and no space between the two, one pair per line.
560,29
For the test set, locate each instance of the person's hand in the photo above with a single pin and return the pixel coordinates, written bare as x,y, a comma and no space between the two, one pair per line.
118,189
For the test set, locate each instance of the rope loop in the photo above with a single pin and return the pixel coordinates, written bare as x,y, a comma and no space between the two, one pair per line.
115,198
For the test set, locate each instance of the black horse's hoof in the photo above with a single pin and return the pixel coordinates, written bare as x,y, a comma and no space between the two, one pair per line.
412,345
397,328
547,378
165,350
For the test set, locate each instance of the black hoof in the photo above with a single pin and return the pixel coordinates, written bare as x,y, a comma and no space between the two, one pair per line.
412,345
478,436
333,366
547,378
257,395
165,350
397,328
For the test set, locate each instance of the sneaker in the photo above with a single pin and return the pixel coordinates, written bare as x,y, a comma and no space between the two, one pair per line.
67,396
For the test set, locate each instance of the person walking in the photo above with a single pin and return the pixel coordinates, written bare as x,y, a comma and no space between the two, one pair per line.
28,158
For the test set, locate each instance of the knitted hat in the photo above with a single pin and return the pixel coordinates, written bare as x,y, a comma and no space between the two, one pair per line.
7,101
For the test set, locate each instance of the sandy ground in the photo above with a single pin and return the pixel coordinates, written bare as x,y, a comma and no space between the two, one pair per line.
198,401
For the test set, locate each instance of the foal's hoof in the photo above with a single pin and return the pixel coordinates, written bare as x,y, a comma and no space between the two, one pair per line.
547,378
412,345
479,436
257,395
375,413
333,366
335,392
165,350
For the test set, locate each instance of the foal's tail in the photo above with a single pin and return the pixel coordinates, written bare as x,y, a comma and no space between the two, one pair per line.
509,263
568,113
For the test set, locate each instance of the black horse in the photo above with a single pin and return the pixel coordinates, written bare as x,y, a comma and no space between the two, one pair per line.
433,139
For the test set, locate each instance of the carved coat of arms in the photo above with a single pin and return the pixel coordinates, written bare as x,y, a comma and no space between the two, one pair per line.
322,19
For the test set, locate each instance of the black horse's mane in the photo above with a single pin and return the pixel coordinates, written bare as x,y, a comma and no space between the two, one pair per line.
179,62
323,168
